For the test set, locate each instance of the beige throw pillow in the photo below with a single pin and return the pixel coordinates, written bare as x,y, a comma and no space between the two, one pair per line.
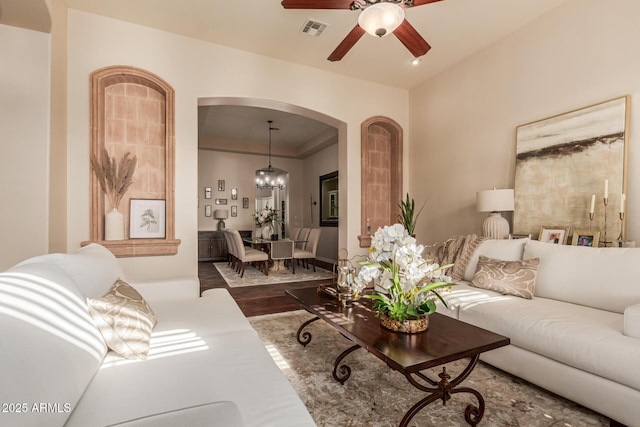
516,278
124,319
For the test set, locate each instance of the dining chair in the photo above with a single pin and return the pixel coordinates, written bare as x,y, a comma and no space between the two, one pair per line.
282,250
309,252
251,255
231,257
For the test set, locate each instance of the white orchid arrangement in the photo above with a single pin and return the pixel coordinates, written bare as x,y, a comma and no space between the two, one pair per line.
395,262
266,216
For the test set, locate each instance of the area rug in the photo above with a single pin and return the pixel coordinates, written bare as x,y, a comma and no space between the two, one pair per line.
377,396
254,277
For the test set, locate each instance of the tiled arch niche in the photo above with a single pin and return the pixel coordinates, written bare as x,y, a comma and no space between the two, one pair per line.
132,110
381,175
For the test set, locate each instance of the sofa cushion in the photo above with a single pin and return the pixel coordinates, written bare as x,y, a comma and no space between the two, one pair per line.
578,336
517,278
93,268
632,321
604,278
226,367
124,319
508,250
50,347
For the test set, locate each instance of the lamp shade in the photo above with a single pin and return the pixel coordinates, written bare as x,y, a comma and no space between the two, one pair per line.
381,19
495,200
221,213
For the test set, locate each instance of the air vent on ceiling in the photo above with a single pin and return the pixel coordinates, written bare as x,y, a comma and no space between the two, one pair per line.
313,27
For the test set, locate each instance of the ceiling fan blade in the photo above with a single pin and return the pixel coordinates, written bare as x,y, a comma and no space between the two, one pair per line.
411,39
316,4
346,44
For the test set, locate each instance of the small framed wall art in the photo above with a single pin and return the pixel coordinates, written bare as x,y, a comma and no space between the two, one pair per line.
221,185
207,192
586,238
234,194
207,210
245,203
221,201
234,210
557,235
147,219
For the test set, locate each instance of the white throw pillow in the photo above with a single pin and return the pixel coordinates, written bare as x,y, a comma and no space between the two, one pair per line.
124,319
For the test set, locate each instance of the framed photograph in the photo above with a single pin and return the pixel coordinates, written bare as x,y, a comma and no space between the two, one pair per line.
207,210
234,194
245,203
207,192
221,185
147,219
221,201
556,235
234,210
586,238
513,236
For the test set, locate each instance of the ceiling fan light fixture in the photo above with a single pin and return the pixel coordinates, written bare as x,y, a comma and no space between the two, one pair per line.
381,19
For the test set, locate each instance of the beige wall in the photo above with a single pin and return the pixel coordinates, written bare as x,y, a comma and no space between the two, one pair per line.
58,128
321,163
463,121
238,171
196,70
24,146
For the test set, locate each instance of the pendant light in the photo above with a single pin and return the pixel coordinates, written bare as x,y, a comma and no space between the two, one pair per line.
270,177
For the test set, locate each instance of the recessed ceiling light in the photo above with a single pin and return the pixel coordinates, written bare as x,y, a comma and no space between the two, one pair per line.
415,61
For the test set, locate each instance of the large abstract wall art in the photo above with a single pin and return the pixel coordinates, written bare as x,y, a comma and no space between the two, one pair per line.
562,164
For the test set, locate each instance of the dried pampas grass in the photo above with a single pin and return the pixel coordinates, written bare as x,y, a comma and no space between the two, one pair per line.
114,178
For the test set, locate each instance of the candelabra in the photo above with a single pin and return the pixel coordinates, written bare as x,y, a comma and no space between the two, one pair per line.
604,240
621,215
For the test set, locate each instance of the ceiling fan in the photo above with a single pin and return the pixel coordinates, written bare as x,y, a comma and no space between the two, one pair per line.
377,17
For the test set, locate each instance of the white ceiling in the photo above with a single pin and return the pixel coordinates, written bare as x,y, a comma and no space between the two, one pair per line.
455,29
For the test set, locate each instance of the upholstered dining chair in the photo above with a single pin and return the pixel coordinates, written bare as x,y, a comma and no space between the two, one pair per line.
251,255
303,237
231,250
309,251
282,250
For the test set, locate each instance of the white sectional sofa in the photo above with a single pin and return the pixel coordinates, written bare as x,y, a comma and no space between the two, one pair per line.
206,365
579,336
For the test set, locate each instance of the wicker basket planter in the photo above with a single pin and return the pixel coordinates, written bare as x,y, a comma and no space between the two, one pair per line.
411,326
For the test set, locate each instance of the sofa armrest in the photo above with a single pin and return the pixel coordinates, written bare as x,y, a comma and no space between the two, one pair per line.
223,414
632,321
166,289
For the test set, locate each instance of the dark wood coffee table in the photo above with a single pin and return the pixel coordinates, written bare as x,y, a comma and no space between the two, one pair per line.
445,341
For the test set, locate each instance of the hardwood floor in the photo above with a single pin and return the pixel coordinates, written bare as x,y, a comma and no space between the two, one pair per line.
254,300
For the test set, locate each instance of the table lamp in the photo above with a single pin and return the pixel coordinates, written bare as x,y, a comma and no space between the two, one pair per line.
495,201
221,215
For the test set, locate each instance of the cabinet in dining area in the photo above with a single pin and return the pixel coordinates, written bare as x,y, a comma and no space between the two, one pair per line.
212,245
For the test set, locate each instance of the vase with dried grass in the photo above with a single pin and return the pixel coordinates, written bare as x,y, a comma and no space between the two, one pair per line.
115,178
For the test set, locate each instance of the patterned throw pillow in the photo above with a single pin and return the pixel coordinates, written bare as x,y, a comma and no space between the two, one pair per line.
516,278
124,319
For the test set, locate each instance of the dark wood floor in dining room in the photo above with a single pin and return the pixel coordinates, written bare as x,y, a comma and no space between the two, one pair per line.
255,300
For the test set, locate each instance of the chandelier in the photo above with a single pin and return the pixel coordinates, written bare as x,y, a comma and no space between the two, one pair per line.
270,178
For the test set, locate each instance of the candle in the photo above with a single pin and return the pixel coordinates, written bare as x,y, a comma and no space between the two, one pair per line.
593,203
606,188
622,199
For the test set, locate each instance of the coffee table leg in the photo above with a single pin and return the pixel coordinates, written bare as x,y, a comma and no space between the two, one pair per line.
306,336
444,390
341,373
